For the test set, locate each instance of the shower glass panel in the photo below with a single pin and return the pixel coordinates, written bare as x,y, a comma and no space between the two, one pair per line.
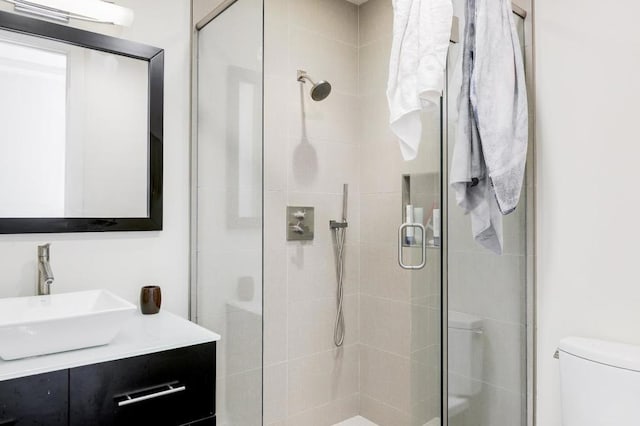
227,272
487,316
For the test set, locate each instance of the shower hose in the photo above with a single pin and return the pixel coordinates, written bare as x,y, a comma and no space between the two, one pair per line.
338,331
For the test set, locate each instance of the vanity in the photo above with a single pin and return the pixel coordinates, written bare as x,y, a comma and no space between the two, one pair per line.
159,370
83,139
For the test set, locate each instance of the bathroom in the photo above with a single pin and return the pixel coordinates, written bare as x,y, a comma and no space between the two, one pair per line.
309,274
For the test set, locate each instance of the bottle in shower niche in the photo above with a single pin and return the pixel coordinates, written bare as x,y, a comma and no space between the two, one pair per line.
436,227
409,238
418,217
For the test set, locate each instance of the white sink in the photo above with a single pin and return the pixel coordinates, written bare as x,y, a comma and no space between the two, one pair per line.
40,325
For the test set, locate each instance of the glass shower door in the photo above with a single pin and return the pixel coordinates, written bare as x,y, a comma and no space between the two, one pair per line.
227,272
419,260
401,275
487,311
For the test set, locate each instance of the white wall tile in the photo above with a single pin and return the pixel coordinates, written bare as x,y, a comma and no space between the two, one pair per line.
380,274
323,166
504,355
275,307
334,19
318,379
380,218
311,325
376,20
373,59
385,377
312,271
333,119
487,285
381,413
276,132
240,400
275,393
324,59
386,324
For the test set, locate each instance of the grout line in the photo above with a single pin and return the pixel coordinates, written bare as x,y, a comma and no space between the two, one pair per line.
386,405
326,404
322,35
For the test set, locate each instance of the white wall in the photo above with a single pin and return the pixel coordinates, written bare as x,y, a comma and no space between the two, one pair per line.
123,262
587,61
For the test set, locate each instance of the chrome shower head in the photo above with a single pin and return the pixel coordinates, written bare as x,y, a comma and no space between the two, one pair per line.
319,90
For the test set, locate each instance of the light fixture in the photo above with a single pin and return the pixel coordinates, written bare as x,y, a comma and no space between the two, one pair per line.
87,10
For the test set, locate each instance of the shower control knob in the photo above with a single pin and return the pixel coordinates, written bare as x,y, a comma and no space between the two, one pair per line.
300,222
298,229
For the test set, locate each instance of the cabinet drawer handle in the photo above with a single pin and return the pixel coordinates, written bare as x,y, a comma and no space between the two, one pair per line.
170,389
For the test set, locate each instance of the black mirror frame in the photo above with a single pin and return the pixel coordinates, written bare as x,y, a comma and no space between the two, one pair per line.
155,57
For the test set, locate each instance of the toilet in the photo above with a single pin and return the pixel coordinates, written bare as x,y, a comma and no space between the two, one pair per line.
600,383
466,345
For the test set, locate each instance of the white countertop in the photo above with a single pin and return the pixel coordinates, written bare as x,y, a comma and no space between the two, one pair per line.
143,334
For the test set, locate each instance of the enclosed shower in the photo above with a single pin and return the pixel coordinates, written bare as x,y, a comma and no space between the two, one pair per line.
344,281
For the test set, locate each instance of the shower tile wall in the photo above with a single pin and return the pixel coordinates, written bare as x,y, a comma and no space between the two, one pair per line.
311,149
388,369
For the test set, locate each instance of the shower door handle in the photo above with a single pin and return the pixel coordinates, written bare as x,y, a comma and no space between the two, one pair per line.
423,247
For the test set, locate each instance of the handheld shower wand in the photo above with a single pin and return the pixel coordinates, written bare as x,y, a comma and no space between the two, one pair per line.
340,232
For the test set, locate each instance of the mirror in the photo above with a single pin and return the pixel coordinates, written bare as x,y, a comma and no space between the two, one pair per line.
81,140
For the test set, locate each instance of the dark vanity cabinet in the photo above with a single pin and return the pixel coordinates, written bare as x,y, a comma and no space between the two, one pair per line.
171,388
166,388
35,400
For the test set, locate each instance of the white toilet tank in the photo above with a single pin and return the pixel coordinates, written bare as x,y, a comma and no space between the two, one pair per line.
600,383
465,354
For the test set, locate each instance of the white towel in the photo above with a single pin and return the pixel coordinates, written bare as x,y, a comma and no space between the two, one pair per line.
421,32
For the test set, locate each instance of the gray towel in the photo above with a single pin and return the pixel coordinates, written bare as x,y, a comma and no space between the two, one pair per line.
491,141
468,167
499,97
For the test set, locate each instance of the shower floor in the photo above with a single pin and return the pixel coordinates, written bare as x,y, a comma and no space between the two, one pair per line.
356,421
361,421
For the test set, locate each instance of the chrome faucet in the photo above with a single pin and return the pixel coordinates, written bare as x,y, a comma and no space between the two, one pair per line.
45,274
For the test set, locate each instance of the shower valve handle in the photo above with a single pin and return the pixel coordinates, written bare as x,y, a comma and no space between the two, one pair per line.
297,228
